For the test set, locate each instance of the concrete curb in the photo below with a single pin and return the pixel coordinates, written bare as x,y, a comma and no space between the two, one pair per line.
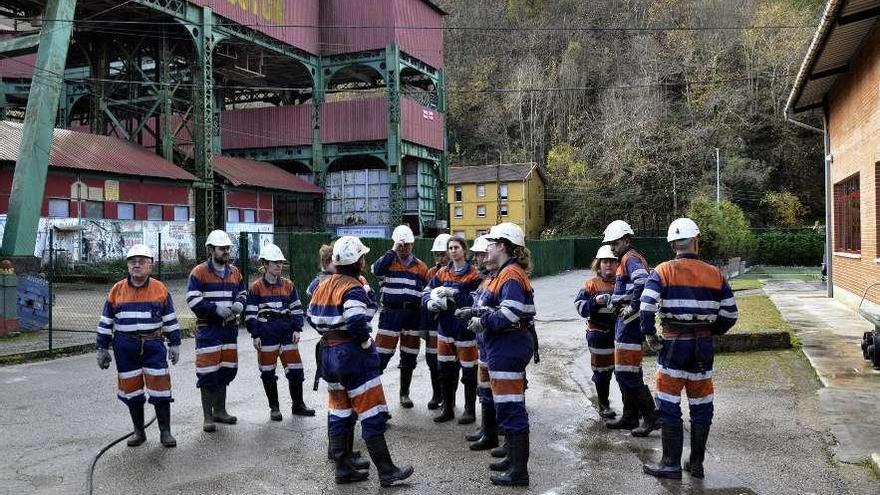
875,463
30,356
748,342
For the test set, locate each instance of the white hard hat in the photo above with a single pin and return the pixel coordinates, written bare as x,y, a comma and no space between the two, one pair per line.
682,228
616,230
348,250
271,252
481,245
218,238
440,243
605,253
139,250
510,231
404,234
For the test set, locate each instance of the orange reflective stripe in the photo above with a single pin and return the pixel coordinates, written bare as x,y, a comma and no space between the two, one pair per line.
268,358
508,387
206,359
159,383
290,356
669,385
372,397
131,384
445,348
483,374
467,354
601,360
411,341
627,357
699,388
386,341
338,399
229,355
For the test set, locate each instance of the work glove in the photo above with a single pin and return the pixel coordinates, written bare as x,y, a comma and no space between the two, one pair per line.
476,325
296,337
237,308
366,344
224,312
104,358
257,344
436,306
464,313
654,343
603,299
626,311
174,353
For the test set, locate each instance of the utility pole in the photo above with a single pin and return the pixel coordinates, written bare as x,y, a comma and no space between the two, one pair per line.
674,195
498,191
717,176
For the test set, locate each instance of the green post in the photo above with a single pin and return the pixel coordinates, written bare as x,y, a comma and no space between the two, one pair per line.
51,277
159,256
393,146
203,117
244,256
29,181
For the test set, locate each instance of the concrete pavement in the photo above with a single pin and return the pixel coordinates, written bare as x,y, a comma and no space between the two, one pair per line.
768,437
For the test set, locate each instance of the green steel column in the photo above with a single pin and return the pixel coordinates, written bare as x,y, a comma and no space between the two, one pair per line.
166,131
29,181
442,207
203,115
100,71
393,146
319,170
2,100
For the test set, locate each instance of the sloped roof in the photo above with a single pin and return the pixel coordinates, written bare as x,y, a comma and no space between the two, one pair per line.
91,152
488,173
245,172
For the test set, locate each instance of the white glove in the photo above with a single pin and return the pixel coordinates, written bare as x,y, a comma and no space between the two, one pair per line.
366,344
603,299
464,313
103,356
257,344
237,308
224,312
626,311
436,306
296,337
654,343
476,325
174,353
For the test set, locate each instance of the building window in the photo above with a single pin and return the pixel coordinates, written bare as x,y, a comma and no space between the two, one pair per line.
459,212
232,215
481,211
504,210
59,208
458,194
94,209
503,190
181,213
847,221
481,190
125,211
250,216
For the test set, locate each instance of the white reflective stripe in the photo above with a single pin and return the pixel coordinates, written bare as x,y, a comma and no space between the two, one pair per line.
170,316
129,396
217,293
137,327
104,331
651,293
675,399
194,293
409,350
130,374
352,312
226,347
375,382
632,318
649,307
193,302
446,358
326,320
690,303
602,368
640,272
352,303
443,338
106,321
685,374
289,347
523,308
389,333
401,281
506,375
340,413
627,369
171,328
628,347
401,292
510,398
158,393
251,307
228,364
701,400
412,333
468,364
433,333
267,367
207,350
384,350
465,343
334,386
483,385
252,317
269,348
207,369
605,310
601,351
369,413
510,315
272,304
688,317
728,314
295,366
156,371
431,350
223,304
730,301
134,314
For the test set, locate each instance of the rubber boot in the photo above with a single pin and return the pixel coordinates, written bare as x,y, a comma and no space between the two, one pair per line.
436,390
669,466
475,435
296,396
163,417
220,414
136,411
271,388
501,451
489,438
405,381
699,436
449,384
208,409
388,472
470,403
603,391
345,472
518,473
630,417
648,411
354,456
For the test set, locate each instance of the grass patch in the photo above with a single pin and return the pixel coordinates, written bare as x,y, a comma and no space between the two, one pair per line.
806,273
738,284
758,314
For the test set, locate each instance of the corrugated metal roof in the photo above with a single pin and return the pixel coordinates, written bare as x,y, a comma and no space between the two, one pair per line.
82,151
506,172
844,28
244,172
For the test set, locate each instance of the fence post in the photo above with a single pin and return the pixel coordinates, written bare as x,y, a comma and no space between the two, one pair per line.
50,276
290,254
159,257
244,256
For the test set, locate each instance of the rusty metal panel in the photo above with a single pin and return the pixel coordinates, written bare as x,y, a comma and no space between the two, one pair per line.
356,25
244,172
291,21
418,31
266,127
21,67
358,197
354,120
422,125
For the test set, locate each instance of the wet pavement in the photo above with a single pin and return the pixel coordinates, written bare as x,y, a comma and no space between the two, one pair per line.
768,437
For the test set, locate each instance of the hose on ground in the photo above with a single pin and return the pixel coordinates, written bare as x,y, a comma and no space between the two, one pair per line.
90,486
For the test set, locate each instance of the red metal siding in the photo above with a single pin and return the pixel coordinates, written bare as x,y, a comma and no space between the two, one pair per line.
153,193
290,21
356,120
241,199
168,212
422,125
58,185
265,216
264,201
110,210
423,44
266,127
140,211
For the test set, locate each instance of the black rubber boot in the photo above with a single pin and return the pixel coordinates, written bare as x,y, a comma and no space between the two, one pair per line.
296,396
405,381
603,391
699,436
648,412
208,409
271,388
136,411
436,390
670,465
470,405
163,417
518,474
489,438
449,383
354,456
220,414
630,417
501,451
475,435
345,472
388,472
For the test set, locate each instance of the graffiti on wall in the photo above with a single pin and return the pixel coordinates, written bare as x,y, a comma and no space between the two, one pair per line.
259,234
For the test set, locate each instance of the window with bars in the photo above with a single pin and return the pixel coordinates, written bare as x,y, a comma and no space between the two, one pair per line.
458,194
481,210
847,220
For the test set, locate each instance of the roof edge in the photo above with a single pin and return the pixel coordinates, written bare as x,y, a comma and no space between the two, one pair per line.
832,9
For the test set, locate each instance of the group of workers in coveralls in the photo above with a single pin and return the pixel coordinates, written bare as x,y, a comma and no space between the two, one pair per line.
475,311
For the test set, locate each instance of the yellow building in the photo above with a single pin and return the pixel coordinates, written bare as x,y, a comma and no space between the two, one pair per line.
480,197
